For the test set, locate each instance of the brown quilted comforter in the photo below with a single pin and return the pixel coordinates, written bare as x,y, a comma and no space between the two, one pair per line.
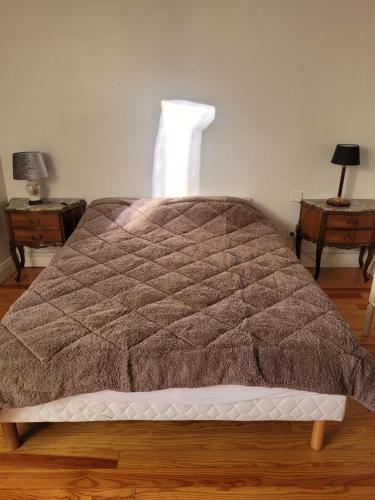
189,292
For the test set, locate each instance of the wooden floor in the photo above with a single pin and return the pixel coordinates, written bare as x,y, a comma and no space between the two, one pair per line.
198,461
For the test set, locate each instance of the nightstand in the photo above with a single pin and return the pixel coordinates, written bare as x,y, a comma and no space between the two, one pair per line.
340,227
48,224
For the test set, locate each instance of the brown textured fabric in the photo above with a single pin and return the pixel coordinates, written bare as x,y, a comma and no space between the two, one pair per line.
191,292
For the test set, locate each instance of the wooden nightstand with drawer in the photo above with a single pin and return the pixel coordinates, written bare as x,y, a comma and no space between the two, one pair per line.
340,227
47,224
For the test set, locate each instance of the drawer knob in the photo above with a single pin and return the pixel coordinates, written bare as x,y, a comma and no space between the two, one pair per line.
350,237
355,222
34,222
36,237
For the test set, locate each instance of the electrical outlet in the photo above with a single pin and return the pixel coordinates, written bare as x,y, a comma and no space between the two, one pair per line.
296,196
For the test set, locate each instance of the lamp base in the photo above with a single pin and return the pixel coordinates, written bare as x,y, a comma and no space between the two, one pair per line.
338,202
33,190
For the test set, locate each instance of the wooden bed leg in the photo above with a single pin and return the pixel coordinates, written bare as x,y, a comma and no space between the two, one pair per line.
317,435
12,437
368,319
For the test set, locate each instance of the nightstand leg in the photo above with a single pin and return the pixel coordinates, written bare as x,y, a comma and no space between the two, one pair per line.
361,255
370,256
368,319
319,250
298,242
18,255
21,251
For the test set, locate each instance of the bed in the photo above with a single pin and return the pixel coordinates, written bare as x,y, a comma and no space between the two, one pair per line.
181,309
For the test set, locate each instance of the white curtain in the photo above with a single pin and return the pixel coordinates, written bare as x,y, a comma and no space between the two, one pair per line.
178,147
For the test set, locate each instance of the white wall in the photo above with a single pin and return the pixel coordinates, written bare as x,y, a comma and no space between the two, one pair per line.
6,265
82,81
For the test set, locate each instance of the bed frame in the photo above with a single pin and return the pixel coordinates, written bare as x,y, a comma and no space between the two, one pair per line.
104,406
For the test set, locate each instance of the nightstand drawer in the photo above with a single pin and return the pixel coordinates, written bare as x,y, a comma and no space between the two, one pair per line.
34,219
348,237
38,237
351,221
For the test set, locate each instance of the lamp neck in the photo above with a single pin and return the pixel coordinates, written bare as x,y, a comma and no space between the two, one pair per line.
342,178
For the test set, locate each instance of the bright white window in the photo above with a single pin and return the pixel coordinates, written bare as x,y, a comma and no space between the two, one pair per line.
178,147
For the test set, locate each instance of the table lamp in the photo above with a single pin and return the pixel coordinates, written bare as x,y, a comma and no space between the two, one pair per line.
345,155
30,166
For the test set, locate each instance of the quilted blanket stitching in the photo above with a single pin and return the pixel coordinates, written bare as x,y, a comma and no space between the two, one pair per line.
223,232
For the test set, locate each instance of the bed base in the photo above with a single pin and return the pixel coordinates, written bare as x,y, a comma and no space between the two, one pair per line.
13,441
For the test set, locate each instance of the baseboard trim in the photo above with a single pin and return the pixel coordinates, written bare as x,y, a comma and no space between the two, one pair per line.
331,259
38,259
7,268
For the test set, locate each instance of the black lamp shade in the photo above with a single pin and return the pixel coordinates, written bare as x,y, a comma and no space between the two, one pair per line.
346,154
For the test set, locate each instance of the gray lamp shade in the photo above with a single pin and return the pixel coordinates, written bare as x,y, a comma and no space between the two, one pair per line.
29,166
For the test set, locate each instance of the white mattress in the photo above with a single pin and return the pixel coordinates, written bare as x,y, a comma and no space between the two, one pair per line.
225,402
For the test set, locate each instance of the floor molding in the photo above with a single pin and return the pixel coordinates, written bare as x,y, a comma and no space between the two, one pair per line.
38,258
331,259
6,269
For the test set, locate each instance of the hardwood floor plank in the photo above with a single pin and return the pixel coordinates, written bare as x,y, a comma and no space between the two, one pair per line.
236,461
342,278
350,428
28,276
344,295
14,460
69,494
303,477
254,493
104,441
